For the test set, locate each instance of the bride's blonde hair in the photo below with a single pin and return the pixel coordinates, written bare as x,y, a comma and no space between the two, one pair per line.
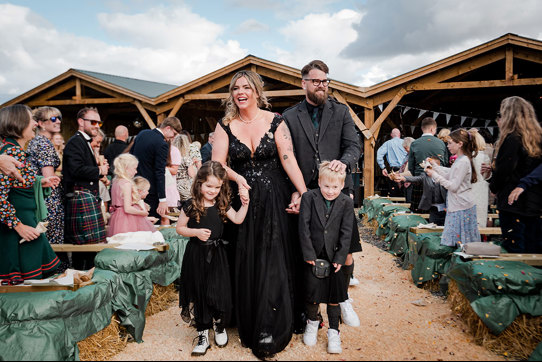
256,84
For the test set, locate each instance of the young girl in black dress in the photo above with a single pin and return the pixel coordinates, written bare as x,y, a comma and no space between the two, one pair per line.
205,275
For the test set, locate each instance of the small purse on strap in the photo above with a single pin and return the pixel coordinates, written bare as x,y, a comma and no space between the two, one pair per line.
321,268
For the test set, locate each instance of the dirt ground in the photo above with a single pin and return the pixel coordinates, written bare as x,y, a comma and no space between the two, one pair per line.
398,322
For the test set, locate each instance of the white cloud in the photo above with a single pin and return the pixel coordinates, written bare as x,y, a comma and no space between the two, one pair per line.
251,25
170,45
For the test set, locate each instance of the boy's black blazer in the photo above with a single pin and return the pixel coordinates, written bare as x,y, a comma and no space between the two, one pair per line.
316,231
79,165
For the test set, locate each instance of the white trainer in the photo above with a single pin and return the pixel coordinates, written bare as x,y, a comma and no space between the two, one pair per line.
333,341
221,336
311,332
353,281
203,343
349,316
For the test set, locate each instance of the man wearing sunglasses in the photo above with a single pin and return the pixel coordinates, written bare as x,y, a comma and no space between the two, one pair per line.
84,222
323,130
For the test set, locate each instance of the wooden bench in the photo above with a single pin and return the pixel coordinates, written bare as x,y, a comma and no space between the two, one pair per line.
32,288
530,259
426,216
397,204
483,231
65,248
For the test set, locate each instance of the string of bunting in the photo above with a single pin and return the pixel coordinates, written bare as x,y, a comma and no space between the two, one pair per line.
463,119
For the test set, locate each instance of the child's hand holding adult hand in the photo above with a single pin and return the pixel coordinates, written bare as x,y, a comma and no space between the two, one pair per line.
203,234
337,267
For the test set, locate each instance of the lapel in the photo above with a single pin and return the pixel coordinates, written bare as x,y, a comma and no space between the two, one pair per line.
327,112
338,205
86,146
306,123
320,205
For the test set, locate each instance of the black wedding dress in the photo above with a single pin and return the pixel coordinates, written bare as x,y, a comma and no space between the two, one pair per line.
263,293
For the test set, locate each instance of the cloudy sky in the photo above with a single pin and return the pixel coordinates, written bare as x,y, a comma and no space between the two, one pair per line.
175,41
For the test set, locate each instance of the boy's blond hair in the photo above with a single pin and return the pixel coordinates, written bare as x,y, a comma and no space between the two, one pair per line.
327,173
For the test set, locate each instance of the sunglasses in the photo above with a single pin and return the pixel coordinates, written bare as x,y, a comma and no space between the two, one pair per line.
54,119
93,122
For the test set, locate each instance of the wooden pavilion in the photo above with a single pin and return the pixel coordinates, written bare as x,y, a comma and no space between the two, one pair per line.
466,87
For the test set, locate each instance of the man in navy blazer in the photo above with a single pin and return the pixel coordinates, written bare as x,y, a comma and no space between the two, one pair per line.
151,147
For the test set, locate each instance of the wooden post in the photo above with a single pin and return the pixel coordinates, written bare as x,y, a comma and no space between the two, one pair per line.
176,108
161,118
509,72
369,157
77,89
375,128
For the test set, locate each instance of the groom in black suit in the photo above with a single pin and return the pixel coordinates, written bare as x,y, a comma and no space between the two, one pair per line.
151,148
323,130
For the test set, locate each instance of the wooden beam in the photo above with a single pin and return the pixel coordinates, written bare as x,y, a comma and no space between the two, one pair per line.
73,248
145,115
477,84
100,88
277,93
77,89
528,56
369,157
375,128
509,67
355,117
176,107
211,122
68,102
55,91
161,118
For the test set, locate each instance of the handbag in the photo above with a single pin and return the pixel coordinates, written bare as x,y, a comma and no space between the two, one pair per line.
321,268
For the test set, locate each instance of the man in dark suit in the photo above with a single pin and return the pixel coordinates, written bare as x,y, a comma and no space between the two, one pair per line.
116,147
323,130
84,222
207,149
151,148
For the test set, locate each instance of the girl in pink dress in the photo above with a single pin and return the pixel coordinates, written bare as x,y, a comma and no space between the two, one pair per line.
126,214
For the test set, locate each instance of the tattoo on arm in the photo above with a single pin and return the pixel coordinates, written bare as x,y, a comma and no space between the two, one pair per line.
285,157
288,138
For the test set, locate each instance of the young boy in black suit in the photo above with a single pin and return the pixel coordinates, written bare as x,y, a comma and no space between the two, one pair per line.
325,232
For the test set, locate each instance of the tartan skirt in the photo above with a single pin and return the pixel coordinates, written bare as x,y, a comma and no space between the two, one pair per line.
84,220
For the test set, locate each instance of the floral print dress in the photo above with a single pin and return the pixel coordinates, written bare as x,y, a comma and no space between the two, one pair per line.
42,154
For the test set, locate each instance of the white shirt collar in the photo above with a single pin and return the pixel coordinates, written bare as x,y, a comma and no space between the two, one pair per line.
159,130
427,134
87,137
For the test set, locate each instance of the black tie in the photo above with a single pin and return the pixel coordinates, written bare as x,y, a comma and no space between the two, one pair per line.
315,117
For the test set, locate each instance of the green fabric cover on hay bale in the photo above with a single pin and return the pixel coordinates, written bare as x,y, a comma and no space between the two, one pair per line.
370,207
537,354
499,291
384,216
432,260
138,270
48,325
399,227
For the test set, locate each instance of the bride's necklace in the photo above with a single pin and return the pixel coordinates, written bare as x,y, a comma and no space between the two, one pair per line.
249,121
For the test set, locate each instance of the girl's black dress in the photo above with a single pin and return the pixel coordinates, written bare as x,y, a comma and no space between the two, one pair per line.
263,278
205,278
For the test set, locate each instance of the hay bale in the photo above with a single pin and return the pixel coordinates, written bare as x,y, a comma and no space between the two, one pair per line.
161,299
105,344
518,341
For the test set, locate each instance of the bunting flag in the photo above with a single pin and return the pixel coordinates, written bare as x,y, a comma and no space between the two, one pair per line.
463,118
435,115
487,122
490,129
473,121
422,111
448,117
412,129
406,109
380,106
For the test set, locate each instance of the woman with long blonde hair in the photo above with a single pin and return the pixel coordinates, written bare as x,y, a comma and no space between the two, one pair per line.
261,157
480,189
187,169
519,152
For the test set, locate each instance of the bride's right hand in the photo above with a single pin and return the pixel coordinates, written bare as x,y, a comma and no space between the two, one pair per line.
26,232
243,189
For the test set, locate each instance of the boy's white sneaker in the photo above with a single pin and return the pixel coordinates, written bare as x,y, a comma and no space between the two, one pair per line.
311,332
333,341
349,316
221,336
203,343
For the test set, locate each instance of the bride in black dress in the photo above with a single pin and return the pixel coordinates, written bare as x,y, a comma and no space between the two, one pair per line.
262,159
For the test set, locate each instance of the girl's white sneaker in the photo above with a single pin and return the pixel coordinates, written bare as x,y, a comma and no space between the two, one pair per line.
203,343
333,341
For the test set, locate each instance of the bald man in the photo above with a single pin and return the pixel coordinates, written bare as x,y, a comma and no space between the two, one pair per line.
396,155
117,147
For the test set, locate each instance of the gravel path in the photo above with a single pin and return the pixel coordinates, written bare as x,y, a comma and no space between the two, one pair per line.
398,322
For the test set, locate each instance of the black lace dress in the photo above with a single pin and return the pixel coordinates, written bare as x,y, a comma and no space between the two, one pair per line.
263,292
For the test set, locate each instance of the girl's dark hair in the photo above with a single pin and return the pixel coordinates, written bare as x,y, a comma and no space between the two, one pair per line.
13,120
208,169
469,148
